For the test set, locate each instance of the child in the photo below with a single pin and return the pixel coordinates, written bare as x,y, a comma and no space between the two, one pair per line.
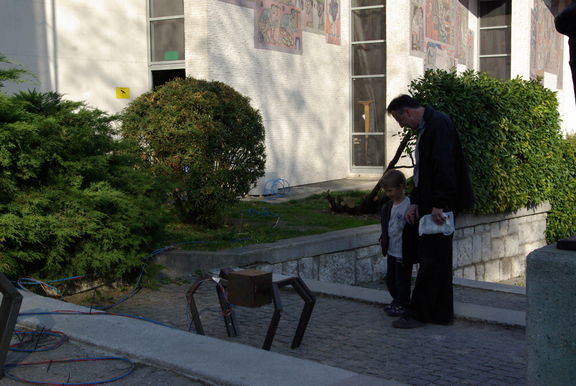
398,241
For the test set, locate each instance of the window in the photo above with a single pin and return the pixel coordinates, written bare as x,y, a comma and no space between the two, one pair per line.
495,42
368,52
166,30
159,77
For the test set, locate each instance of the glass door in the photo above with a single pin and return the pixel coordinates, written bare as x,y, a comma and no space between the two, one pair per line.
368,53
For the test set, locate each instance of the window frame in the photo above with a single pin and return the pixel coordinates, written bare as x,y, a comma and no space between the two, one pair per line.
353,76
162,63
507,27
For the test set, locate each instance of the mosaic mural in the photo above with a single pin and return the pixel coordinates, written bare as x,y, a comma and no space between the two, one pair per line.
313,16
547,45
242,3
333,22
278,24
440,33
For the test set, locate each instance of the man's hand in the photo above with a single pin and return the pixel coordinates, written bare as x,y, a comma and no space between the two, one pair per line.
412,214
438,216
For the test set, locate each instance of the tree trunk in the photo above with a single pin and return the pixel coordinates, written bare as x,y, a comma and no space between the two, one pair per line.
369,204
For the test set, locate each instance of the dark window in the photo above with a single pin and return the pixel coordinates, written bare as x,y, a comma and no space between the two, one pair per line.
159,77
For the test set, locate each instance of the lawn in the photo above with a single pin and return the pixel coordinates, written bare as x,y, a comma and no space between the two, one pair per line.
266,221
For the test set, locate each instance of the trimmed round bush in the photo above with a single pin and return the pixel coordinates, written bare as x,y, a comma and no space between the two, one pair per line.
204,138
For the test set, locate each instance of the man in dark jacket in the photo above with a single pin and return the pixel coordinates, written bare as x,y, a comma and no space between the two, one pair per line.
566,24
441,184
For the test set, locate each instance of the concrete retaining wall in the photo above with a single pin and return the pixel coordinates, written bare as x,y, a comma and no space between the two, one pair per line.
551,316
487,248
494,247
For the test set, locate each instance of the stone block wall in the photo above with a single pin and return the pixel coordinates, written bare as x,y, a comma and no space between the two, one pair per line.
494,247
487,248
360,265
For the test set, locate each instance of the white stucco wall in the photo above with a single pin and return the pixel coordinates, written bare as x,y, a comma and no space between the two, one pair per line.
83,49
304,99
401,67
566,98
520,65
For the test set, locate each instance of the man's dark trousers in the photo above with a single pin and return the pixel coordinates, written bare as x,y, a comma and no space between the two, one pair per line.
432,298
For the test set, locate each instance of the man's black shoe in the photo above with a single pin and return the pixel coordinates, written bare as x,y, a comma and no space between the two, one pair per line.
407,322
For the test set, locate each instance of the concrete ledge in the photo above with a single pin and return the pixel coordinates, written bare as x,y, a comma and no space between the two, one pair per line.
197,356
486,285
179,262
461,310
468,220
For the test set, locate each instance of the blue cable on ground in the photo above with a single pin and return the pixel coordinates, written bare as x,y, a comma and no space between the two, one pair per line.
10,366
277,187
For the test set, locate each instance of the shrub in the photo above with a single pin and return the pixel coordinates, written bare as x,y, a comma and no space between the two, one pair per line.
562,217
510,133
205,137
71,199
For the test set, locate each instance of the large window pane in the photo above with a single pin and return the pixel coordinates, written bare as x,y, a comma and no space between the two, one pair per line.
369,105
495,41
365,3
498,67
368,25
494,13
368,150
160,8
369,59
167,40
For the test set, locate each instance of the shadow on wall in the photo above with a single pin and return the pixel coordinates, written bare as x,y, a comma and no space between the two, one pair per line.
307,130
27,37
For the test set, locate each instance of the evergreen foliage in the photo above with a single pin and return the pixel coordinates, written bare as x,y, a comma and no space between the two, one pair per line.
510,132
10,71
205,137
72,199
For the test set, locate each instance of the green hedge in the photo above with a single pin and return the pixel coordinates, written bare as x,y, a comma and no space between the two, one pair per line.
72,201
510,132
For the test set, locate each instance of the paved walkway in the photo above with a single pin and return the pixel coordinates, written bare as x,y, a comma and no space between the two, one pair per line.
349,340
358,336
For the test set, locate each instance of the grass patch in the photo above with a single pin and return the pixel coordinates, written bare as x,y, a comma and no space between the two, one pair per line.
257,222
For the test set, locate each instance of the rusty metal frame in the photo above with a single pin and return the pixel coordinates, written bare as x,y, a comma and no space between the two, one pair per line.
229,318
227,311
9,309
309,301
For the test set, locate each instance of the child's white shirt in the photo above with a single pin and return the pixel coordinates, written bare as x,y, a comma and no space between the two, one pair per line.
396,226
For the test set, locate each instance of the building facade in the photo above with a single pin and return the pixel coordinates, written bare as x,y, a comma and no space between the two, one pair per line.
320,71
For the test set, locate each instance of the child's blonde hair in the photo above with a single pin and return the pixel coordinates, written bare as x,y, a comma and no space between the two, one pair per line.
393,179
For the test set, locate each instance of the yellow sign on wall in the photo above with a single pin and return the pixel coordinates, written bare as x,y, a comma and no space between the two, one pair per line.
122,92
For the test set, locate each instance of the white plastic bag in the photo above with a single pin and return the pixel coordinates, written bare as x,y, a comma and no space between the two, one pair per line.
427,226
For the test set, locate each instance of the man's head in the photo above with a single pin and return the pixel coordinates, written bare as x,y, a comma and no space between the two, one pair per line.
406,111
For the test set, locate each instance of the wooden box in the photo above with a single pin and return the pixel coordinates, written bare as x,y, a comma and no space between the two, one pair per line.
250,288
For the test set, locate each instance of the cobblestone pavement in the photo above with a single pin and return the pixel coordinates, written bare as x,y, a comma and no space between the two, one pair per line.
508,301
356,336
86,372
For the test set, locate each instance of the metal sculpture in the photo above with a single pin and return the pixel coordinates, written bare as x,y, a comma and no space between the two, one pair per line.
11,301
229,319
